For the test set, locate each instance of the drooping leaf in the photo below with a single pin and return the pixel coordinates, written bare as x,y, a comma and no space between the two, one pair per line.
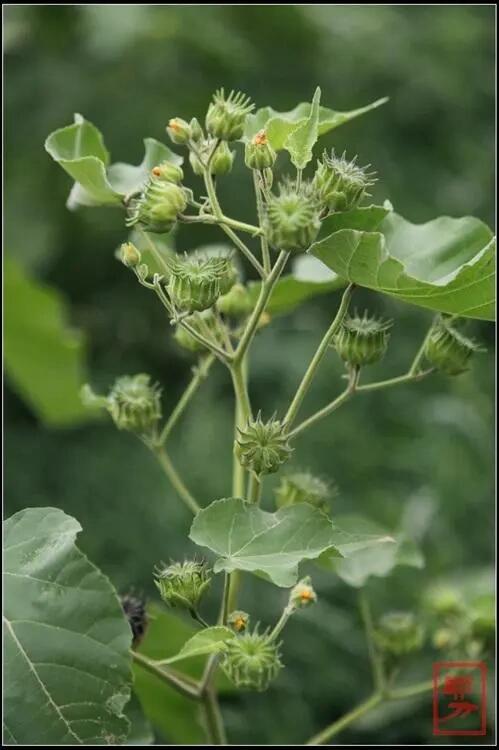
373,553
301,141
271,544
66,640
207,641
280,125
44,357
446,265
80,150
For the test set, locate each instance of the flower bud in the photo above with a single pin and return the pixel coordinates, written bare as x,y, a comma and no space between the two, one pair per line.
258,153
196,281
168,172
252,660
196,130
135,404
237,303
205,323
179,130
444,601
362,341
238,621
227,115
158,206
183,584
448,350
130,255
291,221
445,639
135,612
263,446
221,161
339,184
303,594
302,487
399,633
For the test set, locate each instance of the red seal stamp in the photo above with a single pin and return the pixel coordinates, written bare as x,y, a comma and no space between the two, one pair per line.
460,698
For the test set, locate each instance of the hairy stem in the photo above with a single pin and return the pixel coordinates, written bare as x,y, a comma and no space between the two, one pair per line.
318,356
260,211
329,408
337,726
173,679
254,488
374,655
407,378
175,480
213,718
414,368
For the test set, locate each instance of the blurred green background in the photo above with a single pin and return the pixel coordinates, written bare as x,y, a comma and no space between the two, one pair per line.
421,456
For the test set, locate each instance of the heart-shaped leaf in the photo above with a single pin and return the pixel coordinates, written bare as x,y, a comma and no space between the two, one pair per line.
447,265
66,640
301,141
207,641
280,125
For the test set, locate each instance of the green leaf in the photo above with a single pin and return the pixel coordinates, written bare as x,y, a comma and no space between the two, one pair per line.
44,358
127,178
269,544
140,729
280,125
66,640
369,551
208,641
301,141
446,265
365,218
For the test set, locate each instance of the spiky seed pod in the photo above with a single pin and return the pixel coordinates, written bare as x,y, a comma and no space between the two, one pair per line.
134,608
130,255
291,219
226,116
303,487
237,303
449,350
196,130
179,130
135,404
205,323
221,161
252,660
183,584
168,172
262,447
362,340
399,633
158,206
340,184
197,281
302,595
258,153
238,620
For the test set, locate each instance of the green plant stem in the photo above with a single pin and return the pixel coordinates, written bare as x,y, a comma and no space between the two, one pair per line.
260,211
176,681
407,378
156,253
265,293
329,408
254,488
374,655
175,480
337,726
214,723
196,616
318,356
281,622
420,353
411,691
199,374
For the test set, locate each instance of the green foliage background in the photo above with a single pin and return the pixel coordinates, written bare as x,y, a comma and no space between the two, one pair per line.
420,456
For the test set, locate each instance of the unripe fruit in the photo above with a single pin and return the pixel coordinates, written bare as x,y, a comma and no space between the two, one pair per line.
339,184
205,323
179,130
258,153
221,161
252,661
183,584
196,281
262,447
135,404
399,633
362,341
292,220
158,206
236,303
227,115
448,350
302,487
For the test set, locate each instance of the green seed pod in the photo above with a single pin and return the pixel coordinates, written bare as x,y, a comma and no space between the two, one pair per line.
130,255
252,660
258,153
237,303
226,116
196,130
196,281
238,620
183,584
445,639
135,404
448,350
362,341
262,447
302,595
292,221
179,130
302,487
221,162
158,206
339,184
399,633
168,172
444,601
205,323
